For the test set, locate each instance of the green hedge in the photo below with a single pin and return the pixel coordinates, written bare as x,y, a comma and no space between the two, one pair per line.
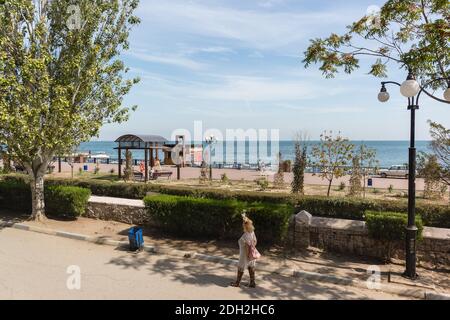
354,209
140,190
66,201
218,219
344,208
15,195
389,226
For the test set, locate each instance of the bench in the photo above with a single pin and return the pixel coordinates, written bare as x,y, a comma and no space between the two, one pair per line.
158,174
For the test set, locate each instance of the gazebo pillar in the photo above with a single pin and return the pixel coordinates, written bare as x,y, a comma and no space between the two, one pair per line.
152,159
146,165
120,162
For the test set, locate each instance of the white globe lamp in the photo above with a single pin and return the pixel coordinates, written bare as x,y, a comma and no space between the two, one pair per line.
410,87
383,96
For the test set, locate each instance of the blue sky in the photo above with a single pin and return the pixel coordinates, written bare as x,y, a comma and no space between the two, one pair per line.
237,64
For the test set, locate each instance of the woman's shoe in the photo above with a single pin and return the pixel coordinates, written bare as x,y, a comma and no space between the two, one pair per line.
251,272
238,279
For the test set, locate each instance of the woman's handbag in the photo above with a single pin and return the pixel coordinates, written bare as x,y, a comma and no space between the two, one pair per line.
253,253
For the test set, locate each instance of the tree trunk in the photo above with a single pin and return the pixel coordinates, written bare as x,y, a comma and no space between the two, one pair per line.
37,197
329,187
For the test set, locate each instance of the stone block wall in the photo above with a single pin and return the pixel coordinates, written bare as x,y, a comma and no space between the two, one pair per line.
352,237
120,210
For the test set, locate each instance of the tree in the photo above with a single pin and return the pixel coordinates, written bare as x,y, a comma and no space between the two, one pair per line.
430,169
367,161
300,163
331,155
61,77
411,33
440,145
356,184
278,179
128,172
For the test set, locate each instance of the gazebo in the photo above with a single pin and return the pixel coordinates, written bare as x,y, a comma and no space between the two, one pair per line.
149,143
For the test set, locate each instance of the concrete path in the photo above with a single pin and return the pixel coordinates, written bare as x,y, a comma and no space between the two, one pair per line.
34,266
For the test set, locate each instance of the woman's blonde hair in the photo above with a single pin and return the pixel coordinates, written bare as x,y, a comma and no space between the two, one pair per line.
248,225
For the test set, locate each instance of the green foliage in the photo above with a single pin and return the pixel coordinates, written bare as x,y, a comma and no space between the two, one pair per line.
59,85
15,195
433,215
224,178
300,163
331,155
356,183
66,201
391,188
430,169
217,219
278,179
390,226
413,34
440,145
262,183
354,209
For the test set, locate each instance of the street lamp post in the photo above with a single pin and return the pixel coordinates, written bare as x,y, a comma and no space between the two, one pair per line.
412,90
210,140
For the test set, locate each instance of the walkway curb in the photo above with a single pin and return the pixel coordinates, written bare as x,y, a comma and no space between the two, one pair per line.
417,293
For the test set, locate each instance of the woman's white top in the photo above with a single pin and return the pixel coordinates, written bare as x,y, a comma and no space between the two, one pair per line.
247,239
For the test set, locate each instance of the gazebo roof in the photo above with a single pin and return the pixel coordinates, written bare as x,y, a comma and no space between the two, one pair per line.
141,138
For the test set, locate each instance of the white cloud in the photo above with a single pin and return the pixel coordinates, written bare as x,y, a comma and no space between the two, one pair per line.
256,29
174,60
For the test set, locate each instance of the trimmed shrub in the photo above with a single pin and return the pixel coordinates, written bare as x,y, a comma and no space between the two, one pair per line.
66,201
217,219
389,226
15,195
354,209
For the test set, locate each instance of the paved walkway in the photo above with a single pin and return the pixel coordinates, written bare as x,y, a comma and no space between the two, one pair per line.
34,266
316,261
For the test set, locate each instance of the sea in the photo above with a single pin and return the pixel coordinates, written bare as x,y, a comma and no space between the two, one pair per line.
388,153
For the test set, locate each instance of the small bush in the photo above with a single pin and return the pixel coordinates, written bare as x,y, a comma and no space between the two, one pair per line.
342,186
262,183
389,226
66,201
391,188
15,194
224,178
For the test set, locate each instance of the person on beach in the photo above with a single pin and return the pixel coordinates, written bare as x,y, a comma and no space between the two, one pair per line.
247,253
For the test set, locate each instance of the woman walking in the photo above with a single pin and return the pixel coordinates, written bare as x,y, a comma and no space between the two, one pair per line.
247,253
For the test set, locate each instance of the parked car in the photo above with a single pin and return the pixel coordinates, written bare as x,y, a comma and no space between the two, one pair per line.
395,171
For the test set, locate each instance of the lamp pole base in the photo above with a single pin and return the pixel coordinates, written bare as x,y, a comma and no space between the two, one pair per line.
411,257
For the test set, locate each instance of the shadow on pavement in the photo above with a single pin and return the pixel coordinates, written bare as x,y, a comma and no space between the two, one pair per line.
269,286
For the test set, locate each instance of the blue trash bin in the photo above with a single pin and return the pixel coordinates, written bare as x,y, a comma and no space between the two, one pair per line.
135,238
85,167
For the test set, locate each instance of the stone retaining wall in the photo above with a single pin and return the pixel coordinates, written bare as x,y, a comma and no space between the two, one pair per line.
351,237
120,210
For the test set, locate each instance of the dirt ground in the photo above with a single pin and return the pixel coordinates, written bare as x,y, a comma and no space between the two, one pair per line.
314,260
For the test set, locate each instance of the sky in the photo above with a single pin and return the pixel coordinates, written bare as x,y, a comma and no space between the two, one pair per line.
235,64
